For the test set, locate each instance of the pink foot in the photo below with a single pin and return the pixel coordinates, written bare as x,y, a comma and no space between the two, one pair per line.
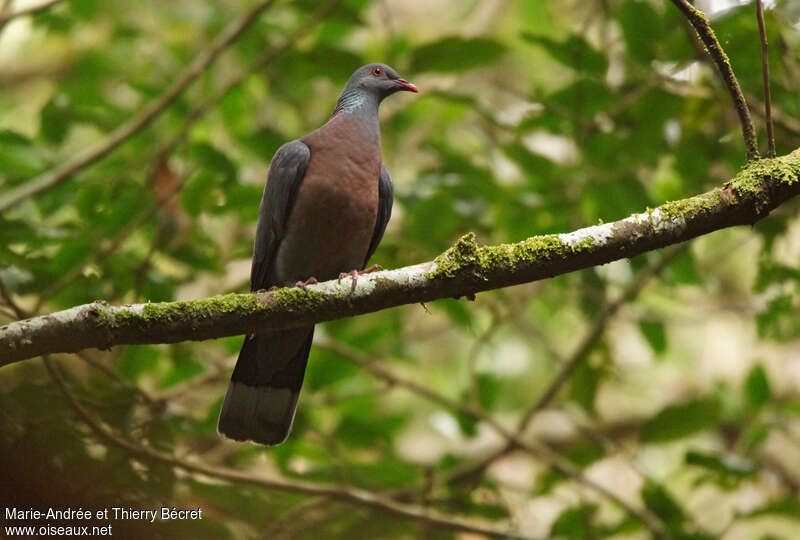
306,283
355,273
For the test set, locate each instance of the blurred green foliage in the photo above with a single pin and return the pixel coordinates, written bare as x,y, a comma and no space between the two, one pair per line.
534,117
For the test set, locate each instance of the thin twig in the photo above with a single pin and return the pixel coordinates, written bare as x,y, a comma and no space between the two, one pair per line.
9,301
789,123
569,366
262,61
112,245
700,23
762,30
153,109
540,450
595,333
345,494
472,358
296,513
6,15
111,373
5,9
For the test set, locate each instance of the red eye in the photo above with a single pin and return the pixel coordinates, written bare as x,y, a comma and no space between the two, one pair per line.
377,71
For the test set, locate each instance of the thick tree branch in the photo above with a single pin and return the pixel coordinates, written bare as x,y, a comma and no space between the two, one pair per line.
700,23
463,270
150,111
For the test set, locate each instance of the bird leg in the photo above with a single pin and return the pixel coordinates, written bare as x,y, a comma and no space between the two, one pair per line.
355,273
373,268
306,283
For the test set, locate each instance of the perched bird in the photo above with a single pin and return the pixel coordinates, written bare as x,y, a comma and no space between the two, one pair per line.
325,207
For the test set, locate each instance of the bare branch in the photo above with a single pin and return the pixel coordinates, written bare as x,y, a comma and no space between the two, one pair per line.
7,14
538,450
789,123
464,269
700,23
762,30
112,245
344,494
150,111
567,368
9,301
594,334
198,112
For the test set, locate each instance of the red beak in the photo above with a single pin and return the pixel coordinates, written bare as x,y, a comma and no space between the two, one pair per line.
405,85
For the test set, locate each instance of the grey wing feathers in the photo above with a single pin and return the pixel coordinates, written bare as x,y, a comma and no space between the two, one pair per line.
385,200
286,172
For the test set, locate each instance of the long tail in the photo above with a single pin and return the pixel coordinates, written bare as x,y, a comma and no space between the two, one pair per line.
262,395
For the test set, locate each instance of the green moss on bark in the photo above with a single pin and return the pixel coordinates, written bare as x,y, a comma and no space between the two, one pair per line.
686,208
245,304
465,258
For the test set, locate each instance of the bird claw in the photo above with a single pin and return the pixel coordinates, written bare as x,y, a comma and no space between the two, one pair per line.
373,268
355,273
303,284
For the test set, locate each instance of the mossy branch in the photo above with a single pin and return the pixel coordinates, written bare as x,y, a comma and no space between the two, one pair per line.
463,270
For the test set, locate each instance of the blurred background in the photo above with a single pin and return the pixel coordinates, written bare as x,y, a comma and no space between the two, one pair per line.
679,386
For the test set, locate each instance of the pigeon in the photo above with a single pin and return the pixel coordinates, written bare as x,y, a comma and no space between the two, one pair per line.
324,210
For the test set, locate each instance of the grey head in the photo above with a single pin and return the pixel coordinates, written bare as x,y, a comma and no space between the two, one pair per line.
369,85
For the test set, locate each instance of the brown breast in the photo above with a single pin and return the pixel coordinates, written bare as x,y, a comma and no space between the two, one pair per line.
334,215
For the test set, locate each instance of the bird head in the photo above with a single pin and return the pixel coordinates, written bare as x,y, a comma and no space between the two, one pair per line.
379,80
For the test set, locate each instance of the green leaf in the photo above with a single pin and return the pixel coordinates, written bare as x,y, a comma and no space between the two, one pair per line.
585,98
788,507
575,53
584,383
264,141
136,361
184,366
770,272
757,387
327,368
723,464
585,453
574,522
641,28
55,118
753,437
655,335
19,157
676,421
363,425
490,388
779,321
682,268
456,310
661,503
454,54
210,157
467,423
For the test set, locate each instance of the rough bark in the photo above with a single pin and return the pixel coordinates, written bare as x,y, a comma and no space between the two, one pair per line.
463,270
